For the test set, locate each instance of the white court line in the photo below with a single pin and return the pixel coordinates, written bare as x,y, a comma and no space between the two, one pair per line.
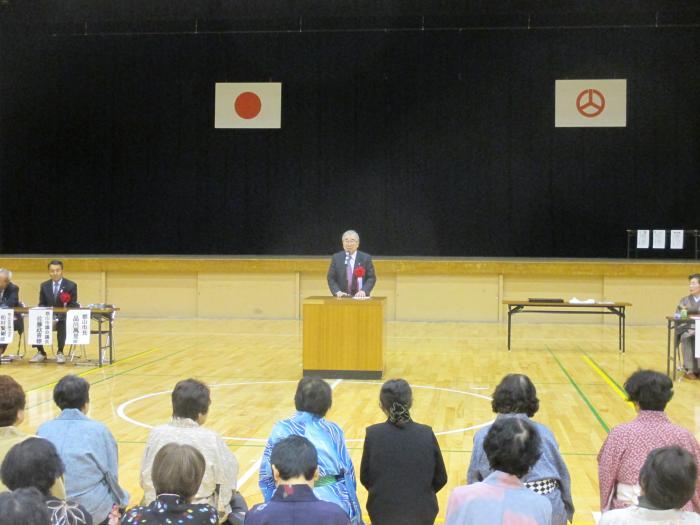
256,466
248,474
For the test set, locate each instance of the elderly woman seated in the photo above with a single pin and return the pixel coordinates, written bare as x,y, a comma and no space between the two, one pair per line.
23,507
516,397
12,405
336,483
177,473
86,447
627,446
34,463
512,446
667,481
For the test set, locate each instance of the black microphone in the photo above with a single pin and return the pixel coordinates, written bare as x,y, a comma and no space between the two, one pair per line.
347,258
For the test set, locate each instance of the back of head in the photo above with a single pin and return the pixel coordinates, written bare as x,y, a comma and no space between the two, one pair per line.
23,507
512,445
190,399
668,477
293,457
33,462
71,392
515,394
313,395
649,389
12,400
178,469
396,399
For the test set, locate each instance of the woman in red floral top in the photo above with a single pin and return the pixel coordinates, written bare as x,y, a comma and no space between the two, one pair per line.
625,450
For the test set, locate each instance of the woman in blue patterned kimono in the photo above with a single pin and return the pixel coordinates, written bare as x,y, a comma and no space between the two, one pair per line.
336,483
516,396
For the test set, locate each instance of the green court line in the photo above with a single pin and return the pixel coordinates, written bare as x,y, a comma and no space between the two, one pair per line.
112,376
580,392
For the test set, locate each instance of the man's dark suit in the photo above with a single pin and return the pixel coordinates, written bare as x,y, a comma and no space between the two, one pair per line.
338,277
10,299
47,298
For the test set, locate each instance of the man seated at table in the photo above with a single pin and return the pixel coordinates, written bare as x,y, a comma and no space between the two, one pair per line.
9,298
686,331
351,272
56,292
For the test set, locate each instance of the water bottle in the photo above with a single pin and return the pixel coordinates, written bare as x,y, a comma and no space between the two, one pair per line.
684,313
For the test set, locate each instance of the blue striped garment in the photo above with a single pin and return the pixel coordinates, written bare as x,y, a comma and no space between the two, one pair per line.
333,460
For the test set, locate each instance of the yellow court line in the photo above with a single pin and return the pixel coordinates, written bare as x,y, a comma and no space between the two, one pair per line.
608,380
97,368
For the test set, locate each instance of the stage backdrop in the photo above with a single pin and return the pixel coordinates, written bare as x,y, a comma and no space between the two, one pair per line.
434,142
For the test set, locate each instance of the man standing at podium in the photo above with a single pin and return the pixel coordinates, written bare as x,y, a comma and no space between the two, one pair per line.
351,272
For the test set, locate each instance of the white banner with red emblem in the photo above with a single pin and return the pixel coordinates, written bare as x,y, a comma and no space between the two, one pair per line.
78,327
248,105
594,103
7,326
40,326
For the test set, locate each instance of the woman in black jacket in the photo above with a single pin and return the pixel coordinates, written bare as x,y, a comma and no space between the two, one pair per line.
402,466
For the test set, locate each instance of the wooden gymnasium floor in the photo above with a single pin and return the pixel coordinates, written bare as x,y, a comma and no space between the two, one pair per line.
253,367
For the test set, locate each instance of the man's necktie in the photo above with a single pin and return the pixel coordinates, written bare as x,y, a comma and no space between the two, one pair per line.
348,268
55,290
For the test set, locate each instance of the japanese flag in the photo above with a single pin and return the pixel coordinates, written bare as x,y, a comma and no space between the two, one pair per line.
591,103
248,105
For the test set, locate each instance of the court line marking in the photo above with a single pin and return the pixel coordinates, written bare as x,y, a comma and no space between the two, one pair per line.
118,373
121,409
256,466
609,380
89,370
580,392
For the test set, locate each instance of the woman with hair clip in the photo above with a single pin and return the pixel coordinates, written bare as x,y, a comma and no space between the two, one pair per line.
402,466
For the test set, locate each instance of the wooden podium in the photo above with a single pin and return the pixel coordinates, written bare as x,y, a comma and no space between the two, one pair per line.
344,338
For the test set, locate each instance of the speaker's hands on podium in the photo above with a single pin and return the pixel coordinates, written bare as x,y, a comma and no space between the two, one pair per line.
361,294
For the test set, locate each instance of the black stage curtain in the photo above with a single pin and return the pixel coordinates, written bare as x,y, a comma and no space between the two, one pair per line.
434,143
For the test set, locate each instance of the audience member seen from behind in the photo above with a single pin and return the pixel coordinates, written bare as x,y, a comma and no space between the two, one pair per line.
87,448
627,446
337,483
12,404
34,463
667,481
402,466
512,447
295,469
191,400
177,473
23,507
516,396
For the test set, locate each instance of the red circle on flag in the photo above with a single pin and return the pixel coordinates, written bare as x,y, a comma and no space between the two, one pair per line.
247,105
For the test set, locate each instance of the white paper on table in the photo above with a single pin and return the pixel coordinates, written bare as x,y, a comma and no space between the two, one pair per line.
676,239
697,345
659,239
574,300
642,239
40,326
7,325
78,327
